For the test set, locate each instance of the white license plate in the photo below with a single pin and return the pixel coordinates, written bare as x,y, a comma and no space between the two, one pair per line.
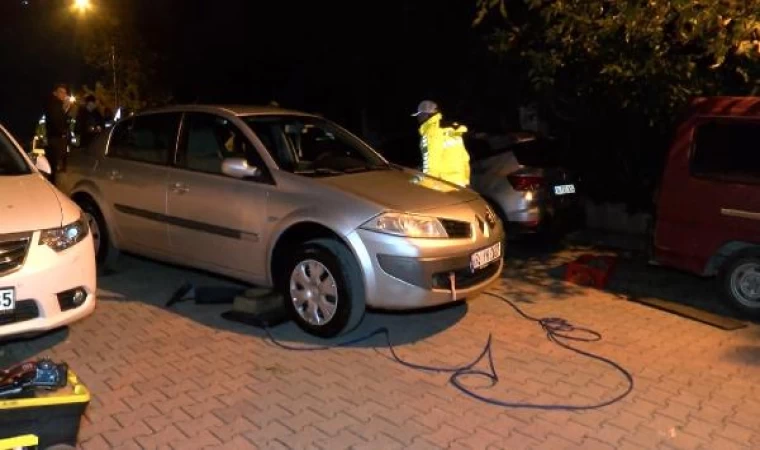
485,257
7,300
564,189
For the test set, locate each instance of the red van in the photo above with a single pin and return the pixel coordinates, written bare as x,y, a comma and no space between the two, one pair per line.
708,203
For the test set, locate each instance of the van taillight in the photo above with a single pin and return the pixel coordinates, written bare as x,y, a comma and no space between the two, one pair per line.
526,182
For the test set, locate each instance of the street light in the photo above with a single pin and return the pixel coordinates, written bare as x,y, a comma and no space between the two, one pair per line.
82,5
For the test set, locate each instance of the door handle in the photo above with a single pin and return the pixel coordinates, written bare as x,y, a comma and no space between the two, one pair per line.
740,214
179,188
114,175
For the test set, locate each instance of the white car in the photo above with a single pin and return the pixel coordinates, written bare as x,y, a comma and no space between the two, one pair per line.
47,256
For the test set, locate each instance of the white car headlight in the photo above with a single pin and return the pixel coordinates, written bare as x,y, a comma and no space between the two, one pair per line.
408,225
59,239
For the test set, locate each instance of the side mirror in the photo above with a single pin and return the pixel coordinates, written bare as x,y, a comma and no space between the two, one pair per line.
43,165
239,168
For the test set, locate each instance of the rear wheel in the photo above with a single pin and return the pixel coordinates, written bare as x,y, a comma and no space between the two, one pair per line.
323,288
741,282
105,252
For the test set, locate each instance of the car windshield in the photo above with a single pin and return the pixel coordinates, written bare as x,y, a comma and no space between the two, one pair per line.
313,146
11,161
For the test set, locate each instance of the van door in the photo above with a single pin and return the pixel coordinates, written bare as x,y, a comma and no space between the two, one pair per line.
717,200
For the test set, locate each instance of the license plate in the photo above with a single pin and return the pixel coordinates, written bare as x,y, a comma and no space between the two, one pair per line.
7,300
564,189
485,257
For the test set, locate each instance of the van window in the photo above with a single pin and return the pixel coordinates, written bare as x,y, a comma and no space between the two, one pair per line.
727,151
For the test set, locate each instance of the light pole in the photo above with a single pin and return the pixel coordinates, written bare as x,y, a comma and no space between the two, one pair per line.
82,6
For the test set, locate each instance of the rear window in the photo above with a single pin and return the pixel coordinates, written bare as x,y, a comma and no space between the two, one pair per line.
727,151
538,153
541,154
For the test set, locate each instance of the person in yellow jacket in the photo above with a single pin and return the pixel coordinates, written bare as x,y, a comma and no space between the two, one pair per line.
444,154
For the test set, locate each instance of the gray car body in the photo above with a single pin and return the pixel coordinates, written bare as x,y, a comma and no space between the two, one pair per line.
233,227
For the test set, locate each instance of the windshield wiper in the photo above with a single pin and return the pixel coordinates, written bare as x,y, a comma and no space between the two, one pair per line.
320,171
368,167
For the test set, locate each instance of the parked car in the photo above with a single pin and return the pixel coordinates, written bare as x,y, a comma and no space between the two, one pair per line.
708,202
287,200
519,174
47,256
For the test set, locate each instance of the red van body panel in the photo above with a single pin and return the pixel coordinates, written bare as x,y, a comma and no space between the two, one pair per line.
703,218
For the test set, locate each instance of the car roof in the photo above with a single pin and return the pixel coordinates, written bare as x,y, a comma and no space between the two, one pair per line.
236,110
725,106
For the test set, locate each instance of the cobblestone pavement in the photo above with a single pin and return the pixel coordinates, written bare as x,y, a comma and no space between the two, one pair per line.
184,378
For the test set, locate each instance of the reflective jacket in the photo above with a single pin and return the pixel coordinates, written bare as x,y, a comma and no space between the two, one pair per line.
444,155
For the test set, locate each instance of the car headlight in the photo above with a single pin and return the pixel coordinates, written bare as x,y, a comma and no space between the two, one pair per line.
408,225
59,239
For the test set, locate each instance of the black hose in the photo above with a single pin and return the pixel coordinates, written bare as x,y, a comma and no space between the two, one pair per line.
558,330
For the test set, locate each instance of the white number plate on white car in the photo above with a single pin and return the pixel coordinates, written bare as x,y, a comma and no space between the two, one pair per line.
564,189
485,257
7,300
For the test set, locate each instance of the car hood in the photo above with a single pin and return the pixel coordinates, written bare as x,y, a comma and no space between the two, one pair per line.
401,190
28,203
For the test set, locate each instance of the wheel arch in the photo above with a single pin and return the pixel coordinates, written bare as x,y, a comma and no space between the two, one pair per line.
725,253
297,234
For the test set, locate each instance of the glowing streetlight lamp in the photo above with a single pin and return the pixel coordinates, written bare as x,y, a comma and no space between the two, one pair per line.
82,5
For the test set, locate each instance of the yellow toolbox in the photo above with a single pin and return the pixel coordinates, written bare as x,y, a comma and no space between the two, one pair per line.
50,418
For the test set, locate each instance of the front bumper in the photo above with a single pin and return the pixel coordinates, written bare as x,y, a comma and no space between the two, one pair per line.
37,283
403,273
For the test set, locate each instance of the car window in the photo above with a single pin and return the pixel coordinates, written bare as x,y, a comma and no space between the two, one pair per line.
313,146
11,161
149,138
728,151
209,139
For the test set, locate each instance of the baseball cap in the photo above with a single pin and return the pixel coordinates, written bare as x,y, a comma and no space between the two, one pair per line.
426,107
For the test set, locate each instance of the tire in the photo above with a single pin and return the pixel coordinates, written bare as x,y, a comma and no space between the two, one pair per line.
323,259
60,447
740,280
106,253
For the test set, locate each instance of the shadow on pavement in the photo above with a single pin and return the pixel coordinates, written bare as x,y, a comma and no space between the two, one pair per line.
545,265
154,284
19,350
744,354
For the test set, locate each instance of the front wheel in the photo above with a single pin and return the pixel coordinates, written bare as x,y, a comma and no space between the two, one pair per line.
105,252
741,282
323,288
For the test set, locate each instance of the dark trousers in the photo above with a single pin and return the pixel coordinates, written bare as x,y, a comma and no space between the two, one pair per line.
56,155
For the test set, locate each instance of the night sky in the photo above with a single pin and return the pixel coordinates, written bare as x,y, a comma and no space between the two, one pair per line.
340,58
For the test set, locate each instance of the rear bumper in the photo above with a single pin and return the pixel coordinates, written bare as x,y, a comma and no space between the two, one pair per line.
548,219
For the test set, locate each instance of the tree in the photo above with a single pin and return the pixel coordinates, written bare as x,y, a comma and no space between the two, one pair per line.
648,56
125,65
615,74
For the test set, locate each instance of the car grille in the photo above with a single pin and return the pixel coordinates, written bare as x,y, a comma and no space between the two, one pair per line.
465,278
457,229
13,250
25,310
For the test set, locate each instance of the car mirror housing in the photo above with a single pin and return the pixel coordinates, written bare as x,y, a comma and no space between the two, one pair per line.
43,165
239,168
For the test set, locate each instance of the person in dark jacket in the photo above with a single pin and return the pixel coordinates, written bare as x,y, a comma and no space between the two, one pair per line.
89,122
57,128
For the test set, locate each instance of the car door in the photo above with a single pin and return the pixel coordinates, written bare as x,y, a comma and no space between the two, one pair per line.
217,221
132,178
710,195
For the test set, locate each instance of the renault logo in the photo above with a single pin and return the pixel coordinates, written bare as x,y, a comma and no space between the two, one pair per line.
484,227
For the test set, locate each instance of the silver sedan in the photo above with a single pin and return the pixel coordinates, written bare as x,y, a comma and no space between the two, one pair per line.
286,200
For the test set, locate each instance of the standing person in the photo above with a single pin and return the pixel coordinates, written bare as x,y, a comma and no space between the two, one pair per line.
444,155
57,128
90,122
